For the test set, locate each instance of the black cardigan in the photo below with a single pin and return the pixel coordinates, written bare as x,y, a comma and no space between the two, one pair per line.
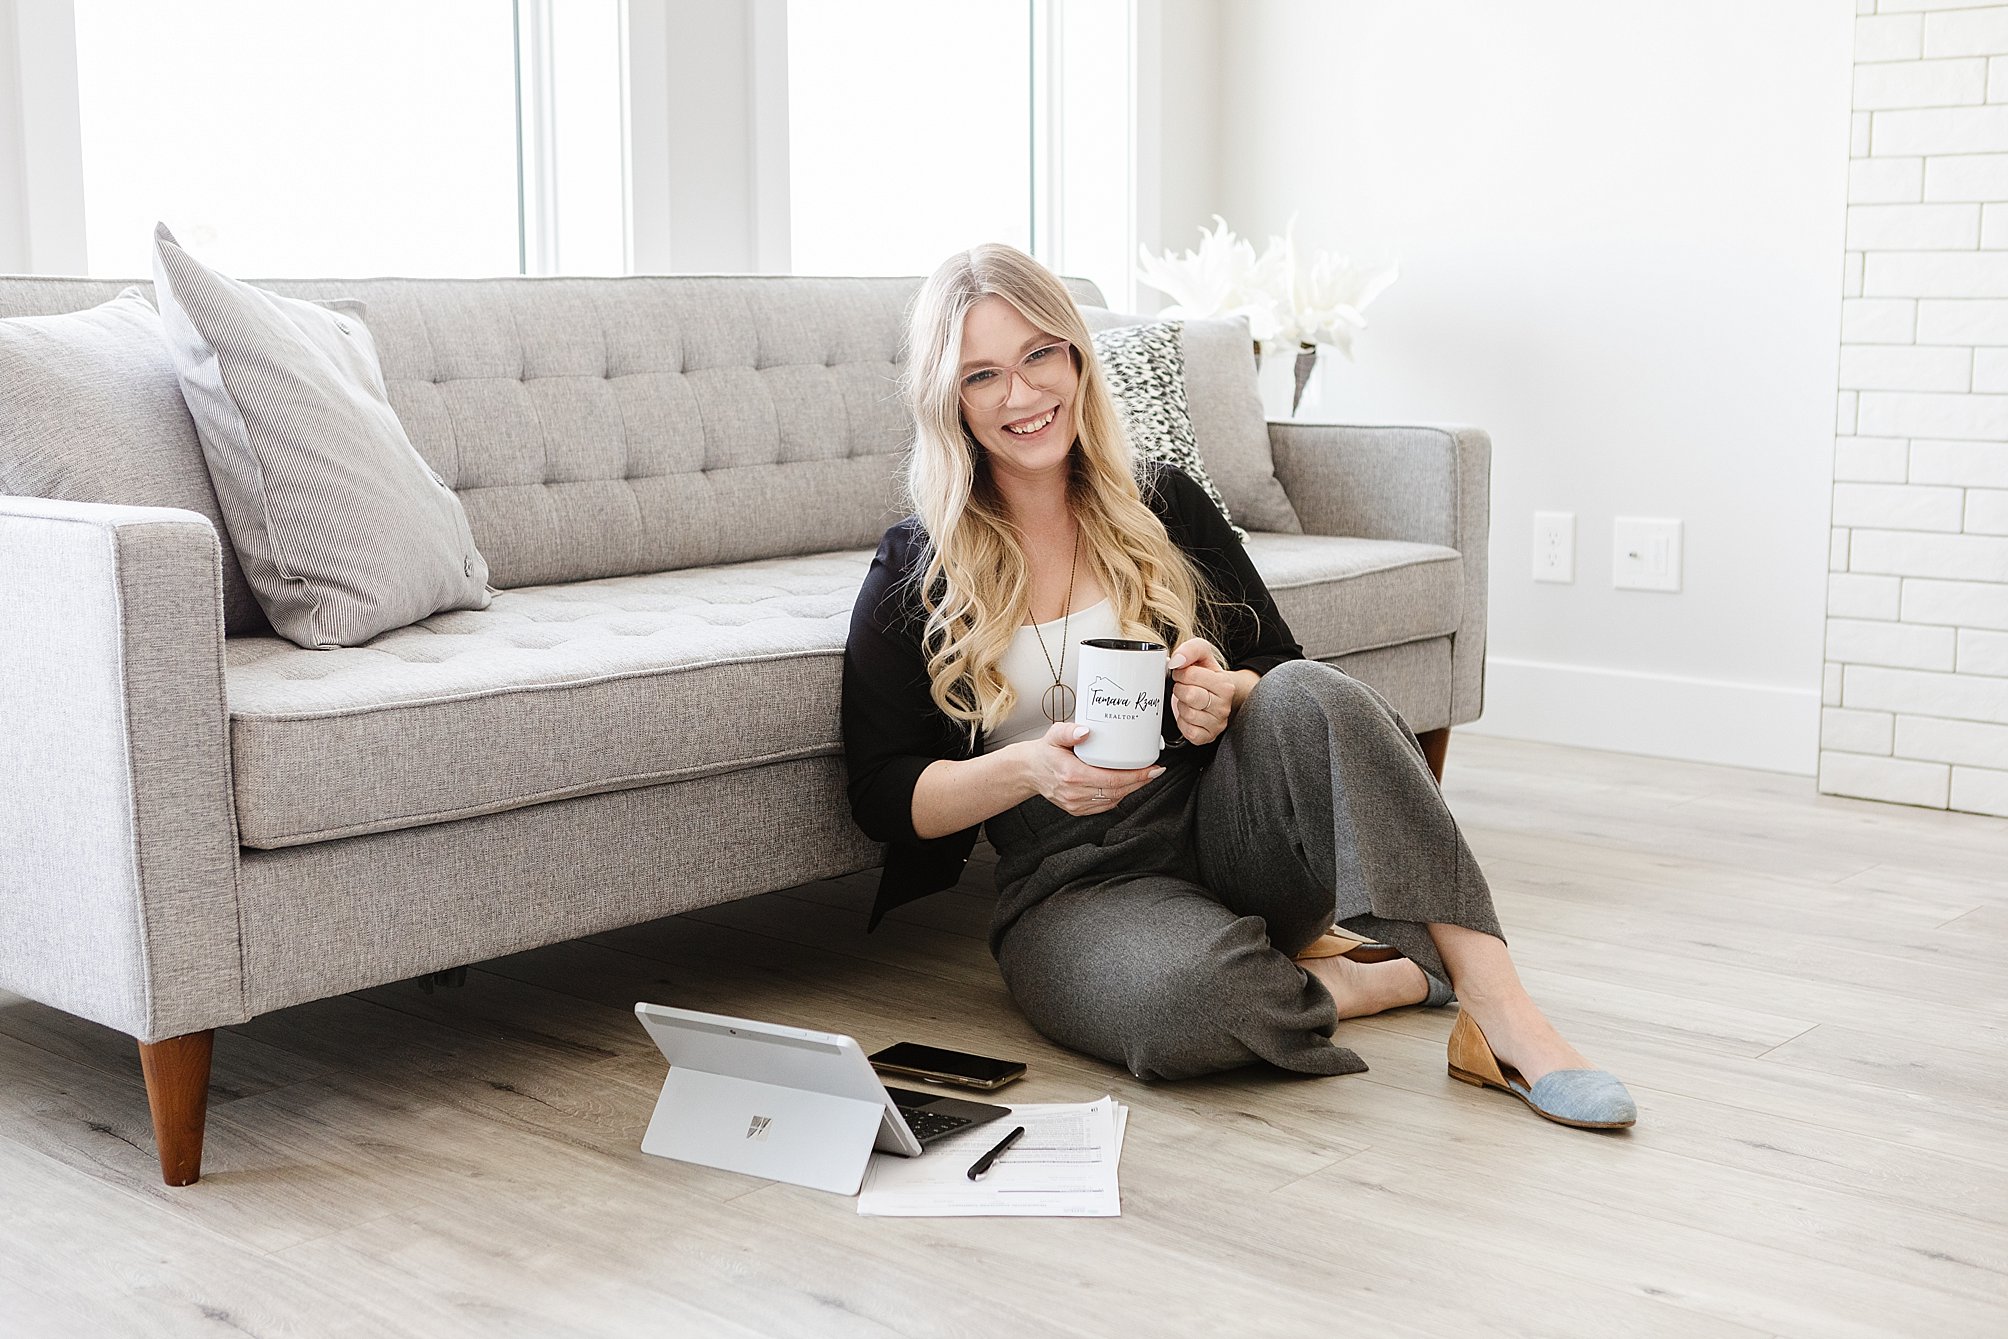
893,730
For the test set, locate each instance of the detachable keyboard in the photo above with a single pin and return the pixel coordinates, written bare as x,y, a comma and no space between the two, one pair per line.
930,1117
927,1125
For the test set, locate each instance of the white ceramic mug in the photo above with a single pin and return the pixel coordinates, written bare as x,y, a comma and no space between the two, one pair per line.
1121,700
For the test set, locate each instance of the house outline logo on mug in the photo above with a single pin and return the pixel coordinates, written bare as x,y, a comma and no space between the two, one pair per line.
1124,702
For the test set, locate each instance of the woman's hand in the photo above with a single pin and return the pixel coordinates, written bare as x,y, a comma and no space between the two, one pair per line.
1204,694
1075,786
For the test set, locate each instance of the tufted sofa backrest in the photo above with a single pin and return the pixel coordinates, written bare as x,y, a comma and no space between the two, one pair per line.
601,427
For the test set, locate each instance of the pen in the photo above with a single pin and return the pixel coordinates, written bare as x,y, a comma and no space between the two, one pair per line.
983,1163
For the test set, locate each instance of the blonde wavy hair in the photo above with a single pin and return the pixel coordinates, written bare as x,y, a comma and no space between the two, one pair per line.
975,583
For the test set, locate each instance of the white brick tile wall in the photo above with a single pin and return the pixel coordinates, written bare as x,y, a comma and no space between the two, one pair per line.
1856,731
1978,464
1963,32
1964,321
1918,227
1939,130
1979,652
1934,274
1871,460
1971,176
1990,370
1981,418
1938,227
1929,739
1898,506
1921,83
1851,595
1993,225
1891,779
1914,6
1986,511
1967,697
1911,553
1914,690
1980,792
1906,367
1862,642
1966,604
1878,321
1874,181
1889,37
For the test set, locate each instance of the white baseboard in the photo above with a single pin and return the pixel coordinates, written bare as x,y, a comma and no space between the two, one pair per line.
1756,725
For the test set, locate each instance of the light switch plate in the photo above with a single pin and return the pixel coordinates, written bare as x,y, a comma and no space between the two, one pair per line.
1555,546
1645,553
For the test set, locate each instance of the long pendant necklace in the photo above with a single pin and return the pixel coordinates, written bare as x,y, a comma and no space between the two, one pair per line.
1058,703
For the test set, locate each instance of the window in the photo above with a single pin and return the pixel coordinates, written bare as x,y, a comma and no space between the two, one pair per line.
1083,222
353,137
909,132
918,129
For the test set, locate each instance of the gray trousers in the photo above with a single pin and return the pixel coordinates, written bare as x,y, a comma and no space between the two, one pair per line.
1158,935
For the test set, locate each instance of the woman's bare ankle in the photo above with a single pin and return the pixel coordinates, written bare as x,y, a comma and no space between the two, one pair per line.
1359,989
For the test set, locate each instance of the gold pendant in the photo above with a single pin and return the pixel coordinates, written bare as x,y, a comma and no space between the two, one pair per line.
1064,696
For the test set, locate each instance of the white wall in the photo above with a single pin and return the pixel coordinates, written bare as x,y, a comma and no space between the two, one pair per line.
1917,633
1620,229
41,163
1187,135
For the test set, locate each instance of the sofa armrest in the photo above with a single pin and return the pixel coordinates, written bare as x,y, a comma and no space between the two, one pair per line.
118,835
1427,483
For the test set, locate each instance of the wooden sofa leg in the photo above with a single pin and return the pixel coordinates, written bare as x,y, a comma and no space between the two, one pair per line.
177,1090
1435,743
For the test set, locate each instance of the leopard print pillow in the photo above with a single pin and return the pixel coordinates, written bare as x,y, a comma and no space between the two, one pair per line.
1145,367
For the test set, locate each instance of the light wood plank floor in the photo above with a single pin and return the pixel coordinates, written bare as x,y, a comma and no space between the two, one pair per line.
1804,993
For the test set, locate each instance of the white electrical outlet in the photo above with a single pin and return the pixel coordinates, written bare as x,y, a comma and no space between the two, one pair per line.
1645,553
1555,546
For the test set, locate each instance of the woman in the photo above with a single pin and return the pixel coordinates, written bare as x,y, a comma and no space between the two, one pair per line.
1149,917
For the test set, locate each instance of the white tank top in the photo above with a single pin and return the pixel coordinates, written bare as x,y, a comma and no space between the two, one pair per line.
1031,674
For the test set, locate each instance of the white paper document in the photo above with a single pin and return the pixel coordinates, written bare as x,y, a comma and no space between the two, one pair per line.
1063,1166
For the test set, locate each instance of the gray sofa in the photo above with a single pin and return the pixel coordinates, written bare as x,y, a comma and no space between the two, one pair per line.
678,483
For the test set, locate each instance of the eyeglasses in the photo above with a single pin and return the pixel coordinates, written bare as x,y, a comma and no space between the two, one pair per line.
1044,368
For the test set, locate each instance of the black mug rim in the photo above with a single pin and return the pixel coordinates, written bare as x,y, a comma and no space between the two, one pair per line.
1121,644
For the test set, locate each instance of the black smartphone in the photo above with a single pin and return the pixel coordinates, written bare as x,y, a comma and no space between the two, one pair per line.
912,1060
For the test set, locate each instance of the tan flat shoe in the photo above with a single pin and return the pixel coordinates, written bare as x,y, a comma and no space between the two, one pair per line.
1338,943
1588,1099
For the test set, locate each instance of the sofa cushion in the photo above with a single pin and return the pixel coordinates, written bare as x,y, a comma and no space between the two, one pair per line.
1344,595
343,528
1225,400
552,691
91,411
1145,369
566,690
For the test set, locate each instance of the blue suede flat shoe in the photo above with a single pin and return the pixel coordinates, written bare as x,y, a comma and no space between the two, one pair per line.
1589,1099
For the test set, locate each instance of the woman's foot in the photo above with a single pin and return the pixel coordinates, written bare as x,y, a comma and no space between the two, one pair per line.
1521,1036
1362,988
1489,989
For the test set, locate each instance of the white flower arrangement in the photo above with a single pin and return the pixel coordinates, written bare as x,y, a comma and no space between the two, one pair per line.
1288,308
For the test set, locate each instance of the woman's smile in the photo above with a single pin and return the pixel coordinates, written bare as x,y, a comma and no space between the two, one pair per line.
1029,428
